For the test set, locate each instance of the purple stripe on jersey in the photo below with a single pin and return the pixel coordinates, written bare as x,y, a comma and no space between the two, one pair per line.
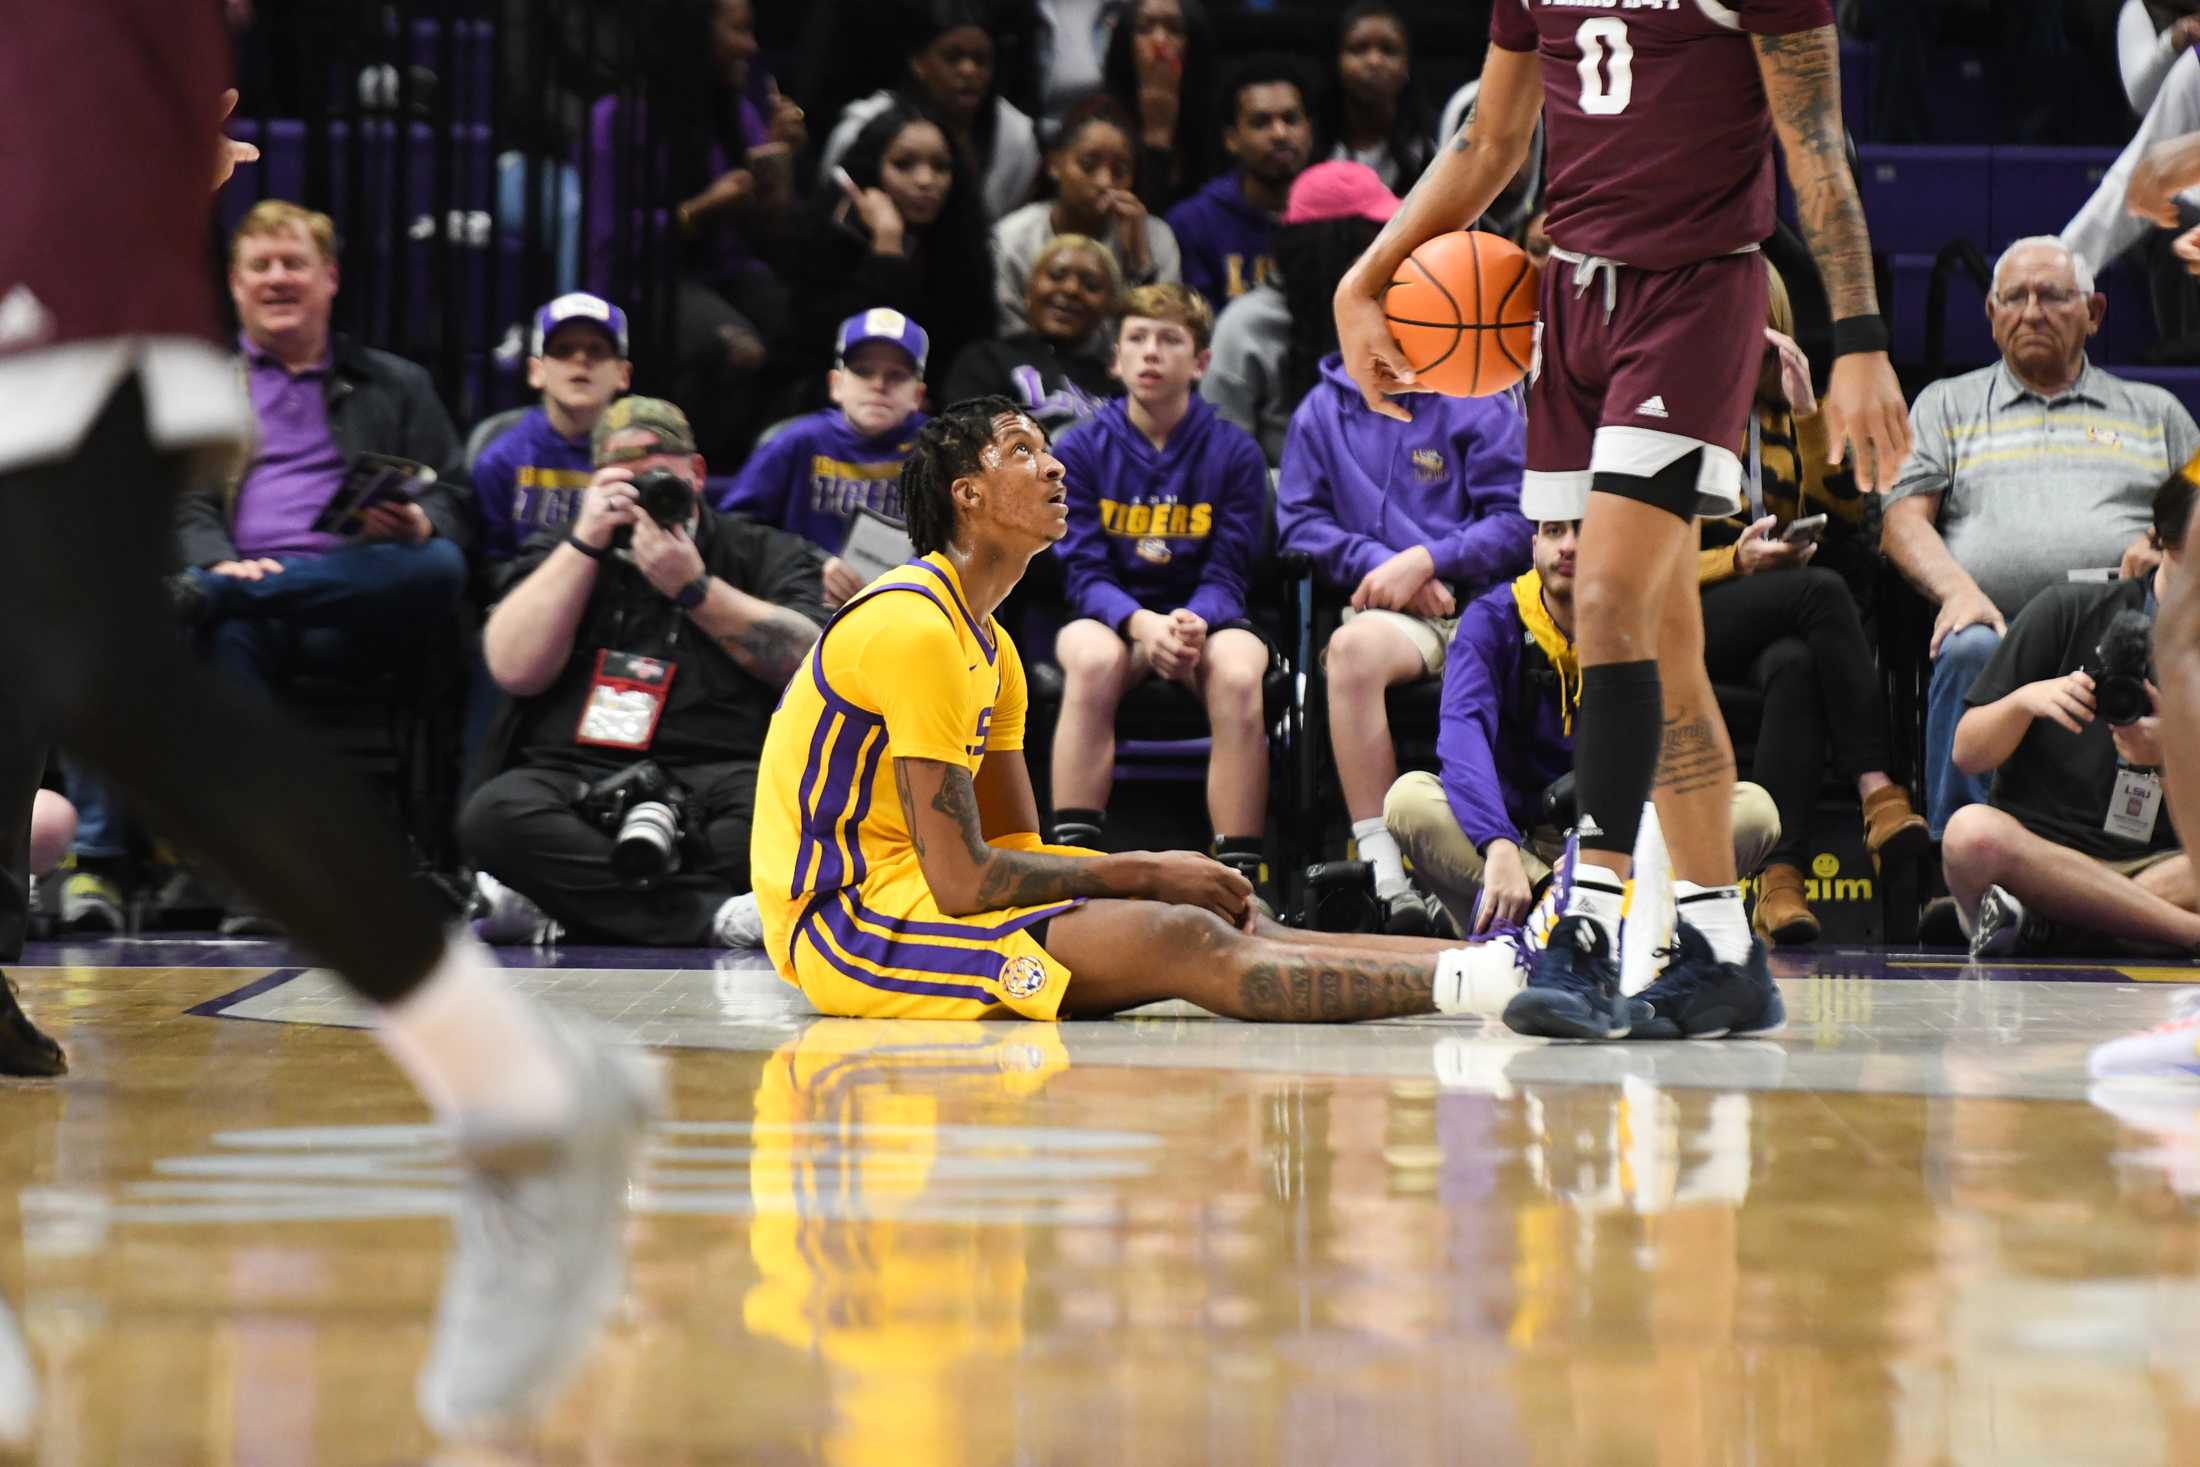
836,792
866,785
903,926
810,773
912,956
985,642
879,980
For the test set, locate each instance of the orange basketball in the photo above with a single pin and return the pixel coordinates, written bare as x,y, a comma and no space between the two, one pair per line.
1463,310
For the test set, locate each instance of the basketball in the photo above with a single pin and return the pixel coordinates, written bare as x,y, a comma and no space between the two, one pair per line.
1463,311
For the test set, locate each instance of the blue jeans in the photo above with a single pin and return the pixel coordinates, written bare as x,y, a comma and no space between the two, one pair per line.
355,605
102,832
1947,788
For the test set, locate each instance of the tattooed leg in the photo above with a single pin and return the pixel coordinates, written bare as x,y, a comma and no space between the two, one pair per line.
1695,787
1126,953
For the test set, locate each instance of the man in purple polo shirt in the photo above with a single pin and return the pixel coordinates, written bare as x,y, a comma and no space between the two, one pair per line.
273,592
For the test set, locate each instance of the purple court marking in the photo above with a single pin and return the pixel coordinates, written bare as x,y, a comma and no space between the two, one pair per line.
214,1008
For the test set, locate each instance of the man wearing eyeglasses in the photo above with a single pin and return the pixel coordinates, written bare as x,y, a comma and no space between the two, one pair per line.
2023,473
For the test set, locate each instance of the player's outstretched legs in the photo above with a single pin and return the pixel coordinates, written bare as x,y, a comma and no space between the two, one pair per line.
547,1119
1126,953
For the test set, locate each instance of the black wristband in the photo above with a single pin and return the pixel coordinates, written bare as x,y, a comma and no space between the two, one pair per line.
1857,335
694,593
593,552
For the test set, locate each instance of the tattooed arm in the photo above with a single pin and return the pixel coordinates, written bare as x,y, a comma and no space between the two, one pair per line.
1452,194
768,641
968,875
1863,402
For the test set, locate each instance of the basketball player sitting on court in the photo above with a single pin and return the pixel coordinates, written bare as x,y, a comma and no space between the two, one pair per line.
896,856
1166,501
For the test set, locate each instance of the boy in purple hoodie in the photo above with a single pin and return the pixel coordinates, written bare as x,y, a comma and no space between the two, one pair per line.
1410,520
813,476
1224,230
1165,508
530,476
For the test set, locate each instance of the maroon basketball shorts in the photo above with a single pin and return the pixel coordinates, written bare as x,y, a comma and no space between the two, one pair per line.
1641,368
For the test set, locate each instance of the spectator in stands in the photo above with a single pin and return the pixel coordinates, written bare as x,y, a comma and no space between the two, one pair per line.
1270,341
268,590
1073,42
1166,504
1376,113
2150,36
1410,521
2075,836
1049,367
2106,228
722,144
671,650
530,476
813,475
1788,628
1477,833
1225,230
950,51
1160,68
2019,474
1090,164
904,232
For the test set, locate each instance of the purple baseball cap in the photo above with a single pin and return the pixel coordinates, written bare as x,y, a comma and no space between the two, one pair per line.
579,305
882,324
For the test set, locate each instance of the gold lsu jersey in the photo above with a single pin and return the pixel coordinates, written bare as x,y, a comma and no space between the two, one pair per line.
903,671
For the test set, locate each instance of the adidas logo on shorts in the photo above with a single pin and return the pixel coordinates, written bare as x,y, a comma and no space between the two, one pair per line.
1653,406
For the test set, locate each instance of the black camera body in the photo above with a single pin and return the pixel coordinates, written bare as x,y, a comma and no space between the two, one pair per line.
664,496
644,811
2120,669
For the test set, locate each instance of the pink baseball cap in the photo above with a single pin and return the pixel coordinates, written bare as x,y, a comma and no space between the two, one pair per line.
1339,190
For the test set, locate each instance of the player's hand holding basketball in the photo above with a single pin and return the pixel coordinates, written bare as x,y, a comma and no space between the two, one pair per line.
1200,881
1864,411
1371,355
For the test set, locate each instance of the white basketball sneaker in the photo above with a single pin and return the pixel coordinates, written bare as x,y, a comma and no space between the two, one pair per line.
2170,1049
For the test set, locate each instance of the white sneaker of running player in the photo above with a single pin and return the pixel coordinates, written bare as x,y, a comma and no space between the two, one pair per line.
509,919
2170,1049
540,1260
738,923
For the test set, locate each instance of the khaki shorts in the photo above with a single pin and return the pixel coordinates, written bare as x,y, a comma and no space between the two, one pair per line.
1430,635
2132,866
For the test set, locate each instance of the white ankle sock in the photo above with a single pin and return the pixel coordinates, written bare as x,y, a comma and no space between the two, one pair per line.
473,1046
1379,848
1598,896
1716,912
1479,979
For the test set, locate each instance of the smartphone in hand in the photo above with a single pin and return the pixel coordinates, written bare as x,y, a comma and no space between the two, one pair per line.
1806,531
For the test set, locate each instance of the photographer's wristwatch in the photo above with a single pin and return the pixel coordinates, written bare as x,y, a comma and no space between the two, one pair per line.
694,593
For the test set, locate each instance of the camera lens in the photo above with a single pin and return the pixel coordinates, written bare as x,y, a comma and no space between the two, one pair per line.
647,848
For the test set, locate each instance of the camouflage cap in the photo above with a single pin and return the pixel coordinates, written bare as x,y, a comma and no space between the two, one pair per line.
653,413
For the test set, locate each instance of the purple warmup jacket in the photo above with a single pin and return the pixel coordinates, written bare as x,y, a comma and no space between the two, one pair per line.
1356,487
1501,739
1158,530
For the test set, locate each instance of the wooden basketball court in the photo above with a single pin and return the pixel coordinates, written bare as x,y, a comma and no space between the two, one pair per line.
1900,1233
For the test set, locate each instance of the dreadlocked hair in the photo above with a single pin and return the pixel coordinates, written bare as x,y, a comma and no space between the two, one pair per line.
947,449
1313,258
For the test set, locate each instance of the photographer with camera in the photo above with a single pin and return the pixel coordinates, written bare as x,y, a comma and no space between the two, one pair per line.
641,649
2064,717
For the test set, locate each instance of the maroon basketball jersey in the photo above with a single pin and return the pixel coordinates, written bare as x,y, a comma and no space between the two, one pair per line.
107,168
1660,139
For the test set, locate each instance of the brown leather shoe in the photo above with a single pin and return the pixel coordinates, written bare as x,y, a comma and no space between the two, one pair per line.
1893,832
1783,917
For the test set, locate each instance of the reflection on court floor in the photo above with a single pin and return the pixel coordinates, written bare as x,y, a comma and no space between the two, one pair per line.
1903,1231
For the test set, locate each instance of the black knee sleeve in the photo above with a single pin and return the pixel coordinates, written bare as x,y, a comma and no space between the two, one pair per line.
1617,735
1672,488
